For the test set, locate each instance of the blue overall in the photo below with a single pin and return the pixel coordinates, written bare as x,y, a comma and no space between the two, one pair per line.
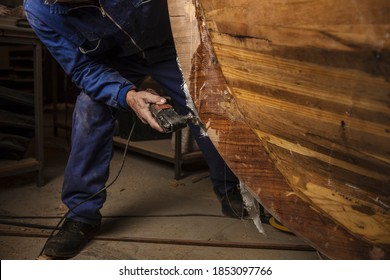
108,48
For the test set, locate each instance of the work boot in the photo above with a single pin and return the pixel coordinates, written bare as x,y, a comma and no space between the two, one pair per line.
232,203
71,238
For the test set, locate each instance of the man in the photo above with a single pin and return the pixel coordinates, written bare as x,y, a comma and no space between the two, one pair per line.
107,47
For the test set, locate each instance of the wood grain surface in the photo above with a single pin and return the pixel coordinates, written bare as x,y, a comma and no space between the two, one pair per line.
296,98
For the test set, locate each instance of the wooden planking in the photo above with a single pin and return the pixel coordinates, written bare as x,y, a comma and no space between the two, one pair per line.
329,24
302,78
349,206
346,110
221,109
288,89
330,130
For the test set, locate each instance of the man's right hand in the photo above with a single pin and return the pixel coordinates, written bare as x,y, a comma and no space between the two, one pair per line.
140,102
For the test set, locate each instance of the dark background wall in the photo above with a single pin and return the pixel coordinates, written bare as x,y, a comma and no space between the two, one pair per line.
11,3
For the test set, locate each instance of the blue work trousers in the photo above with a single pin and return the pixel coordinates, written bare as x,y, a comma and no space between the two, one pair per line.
87,170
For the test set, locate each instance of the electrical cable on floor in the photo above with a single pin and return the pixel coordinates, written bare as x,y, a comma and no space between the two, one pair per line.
95,194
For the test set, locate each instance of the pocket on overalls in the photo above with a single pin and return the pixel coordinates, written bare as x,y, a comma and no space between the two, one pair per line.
92,44
91,47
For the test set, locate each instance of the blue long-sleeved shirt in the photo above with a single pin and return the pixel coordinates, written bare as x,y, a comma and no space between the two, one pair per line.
84,37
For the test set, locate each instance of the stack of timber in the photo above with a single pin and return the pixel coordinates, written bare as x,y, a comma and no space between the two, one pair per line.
296,97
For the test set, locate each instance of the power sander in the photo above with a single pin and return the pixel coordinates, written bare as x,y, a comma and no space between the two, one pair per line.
170,120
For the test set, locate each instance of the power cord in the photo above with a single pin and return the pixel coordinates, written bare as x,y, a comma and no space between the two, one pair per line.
95,194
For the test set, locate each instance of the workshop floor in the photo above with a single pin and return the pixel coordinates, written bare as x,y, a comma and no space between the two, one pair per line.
148,215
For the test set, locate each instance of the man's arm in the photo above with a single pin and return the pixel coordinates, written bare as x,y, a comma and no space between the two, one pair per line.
100,82
95,79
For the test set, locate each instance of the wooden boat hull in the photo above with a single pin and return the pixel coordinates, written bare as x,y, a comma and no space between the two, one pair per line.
296,97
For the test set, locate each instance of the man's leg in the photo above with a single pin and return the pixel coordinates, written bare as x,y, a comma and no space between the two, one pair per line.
86,173
224,181
87,169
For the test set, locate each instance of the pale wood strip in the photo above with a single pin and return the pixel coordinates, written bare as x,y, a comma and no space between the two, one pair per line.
323,83
297,148
317,114
348,213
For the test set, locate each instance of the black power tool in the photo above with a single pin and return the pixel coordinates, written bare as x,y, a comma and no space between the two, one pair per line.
169,120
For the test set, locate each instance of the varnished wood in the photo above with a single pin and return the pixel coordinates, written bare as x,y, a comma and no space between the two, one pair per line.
296,98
